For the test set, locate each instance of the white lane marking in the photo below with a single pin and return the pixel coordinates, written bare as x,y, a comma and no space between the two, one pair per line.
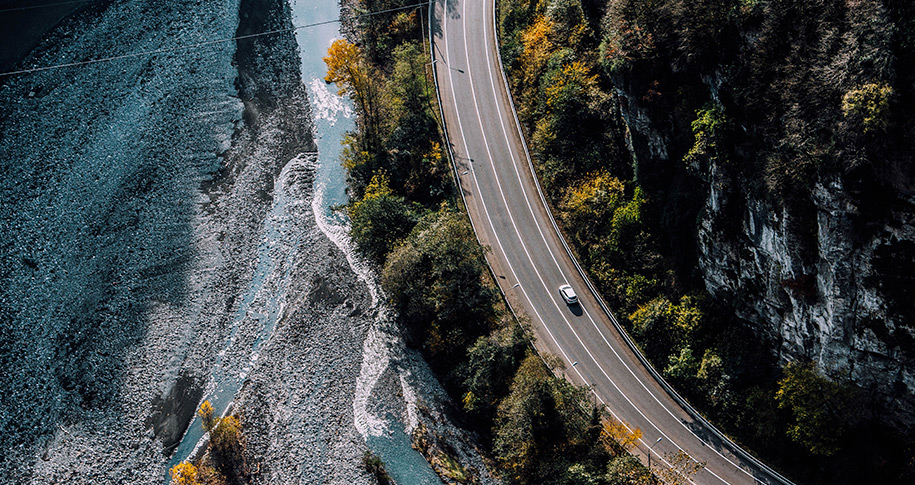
600,328
491,225
565,275
530,259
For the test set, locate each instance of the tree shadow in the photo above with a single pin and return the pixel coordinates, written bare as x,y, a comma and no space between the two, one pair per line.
106,211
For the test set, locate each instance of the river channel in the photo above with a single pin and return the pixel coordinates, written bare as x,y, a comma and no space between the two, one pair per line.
334,116
383,414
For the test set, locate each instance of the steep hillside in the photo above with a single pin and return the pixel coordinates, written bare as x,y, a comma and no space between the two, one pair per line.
794,117
725,161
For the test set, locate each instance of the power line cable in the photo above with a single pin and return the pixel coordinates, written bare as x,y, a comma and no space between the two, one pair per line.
199,44
30,7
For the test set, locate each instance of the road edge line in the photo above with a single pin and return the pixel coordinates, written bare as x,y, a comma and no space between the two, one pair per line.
629,342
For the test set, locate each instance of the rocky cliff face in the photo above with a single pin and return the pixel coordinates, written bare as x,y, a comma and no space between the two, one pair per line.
841,309
808,226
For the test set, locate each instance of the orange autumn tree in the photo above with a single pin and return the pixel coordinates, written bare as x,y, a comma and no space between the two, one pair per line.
184,473
346,68
227,441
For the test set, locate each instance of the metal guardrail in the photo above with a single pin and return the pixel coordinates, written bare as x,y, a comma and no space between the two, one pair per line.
626,338
629,342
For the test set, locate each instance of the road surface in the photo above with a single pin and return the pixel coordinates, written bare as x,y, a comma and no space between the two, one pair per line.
530,260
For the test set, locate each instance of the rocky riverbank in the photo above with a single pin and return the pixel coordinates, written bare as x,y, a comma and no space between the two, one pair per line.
136,199
160,246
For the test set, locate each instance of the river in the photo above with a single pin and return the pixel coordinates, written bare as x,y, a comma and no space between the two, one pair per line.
383,414
334,115
168,238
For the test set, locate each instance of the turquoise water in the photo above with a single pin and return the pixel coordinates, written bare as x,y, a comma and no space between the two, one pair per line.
265,297
334,116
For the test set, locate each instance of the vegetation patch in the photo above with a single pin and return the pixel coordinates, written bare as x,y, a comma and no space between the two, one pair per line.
406,218
746,95
224,461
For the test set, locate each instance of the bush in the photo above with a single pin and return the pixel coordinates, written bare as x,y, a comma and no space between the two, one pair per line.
226,445
868,107
491,362
541,427
710,129
623,45
373,464
380,220
819,408
435,282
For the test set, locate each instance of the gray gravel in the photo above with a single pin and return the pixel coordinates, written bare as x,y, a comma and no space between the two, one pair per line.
142,250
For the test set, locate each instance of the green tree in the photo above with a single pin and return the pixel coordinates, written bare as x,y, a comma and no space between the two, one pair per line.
671,327
682,366
627,470
380,220
819,408
714,382
711,130
373,464
435,282
410,90
491,363
623,45
572,115
540,426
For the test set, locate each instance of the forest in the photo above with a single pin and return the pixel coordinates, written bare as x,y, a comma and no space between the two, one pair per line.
766,98
635,109
407,219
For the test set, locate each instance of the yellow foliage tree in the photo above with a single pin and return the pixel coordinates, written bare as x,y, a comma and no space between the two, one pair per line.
616,435
536,49
226,444
184,473
595,198
226,433
681,470
869,105
377,188
576,80
207,416
346,68
660,315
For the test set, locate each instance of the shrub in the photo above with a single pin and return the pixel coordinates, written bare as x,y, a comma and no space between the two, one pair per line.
226,446
435,283
373,464
623,45
541,429
868,106
184,473
710,129
819,408
380,219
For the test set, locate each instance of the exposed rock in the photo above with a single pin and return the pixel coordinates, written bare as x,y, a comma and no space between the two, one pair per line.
825,268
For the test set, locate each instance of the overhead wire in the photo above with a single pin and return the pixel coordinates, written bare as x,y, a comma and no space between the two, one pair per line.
56,4
200,44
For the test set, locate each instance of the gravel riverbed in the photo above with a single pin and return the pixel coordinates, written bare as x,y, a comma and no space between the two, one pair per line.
159,240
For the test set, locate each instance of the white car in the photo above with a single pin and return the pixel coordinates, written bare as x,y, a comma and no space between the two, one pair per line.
568,294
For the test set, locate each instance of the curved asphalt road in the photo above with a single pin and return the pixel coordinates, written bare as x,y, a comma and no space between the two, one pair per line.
530,260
